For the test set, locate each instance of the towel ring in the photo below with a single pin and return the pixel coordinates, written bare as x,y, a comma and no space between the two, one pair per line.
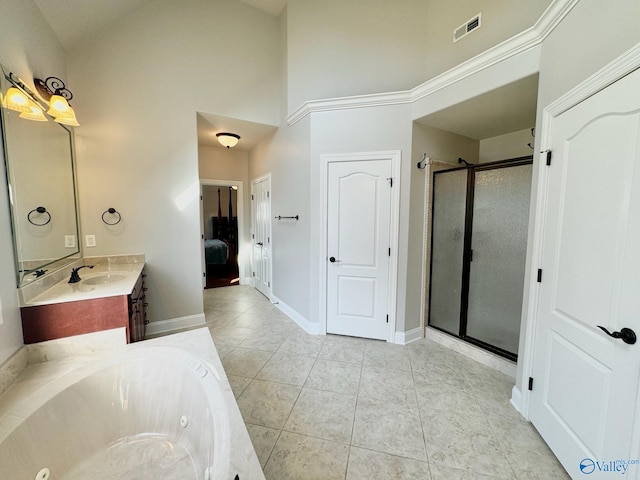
111,211
40,210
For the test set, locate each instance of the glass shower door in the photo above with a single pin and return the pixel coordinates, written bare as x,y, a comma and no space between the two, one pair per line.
447,248
498,243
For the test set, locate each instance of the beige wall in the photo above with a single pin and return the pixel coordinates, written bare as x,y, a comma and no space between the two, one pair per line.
29,48
504,147
138,86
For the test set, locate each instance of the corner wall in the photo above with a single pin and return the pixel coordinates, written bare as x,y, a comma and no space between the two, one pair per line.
29,48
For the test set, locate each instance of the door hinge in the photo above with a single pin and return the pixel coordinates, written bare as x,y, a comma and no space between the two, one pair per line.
251,197
268,239
548,157
200,197
387,318
539,275
267,194
390,181
204,274
254,274
530,383
389,251
269,284
202,235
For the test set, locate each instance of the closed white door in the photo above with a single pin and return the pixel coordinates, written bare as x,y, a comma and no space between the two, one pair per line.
358,247
584,398
261,234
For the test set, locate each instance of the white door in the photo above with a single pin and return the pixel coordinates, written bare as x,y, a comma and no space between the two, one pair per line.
584,400
358,247
261,234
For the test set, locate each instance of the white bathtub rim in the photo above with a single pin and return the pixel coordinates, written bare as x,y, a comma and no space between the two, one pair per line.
16,414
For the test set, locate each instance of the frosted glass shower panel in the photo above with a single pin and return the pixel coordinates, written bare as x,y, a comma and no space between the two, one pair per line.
447,247
499,243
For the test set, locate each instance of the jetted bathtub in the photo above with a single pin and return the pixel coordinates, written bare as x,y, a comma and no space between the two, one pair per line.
153,413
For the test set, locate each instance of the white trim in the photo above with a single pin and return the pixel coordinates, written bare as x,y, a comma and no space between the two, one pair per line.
516,399
173,324
515,45
614,71
405,338
312,328
396,159
478,354
242,247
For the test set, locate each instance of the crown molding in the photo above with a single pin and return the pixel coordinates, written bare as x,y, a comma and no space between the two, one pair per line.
515,45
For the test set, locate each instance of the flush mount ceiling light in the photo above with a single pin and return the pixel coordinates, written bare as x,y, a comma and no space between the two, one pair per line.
227,139
54,91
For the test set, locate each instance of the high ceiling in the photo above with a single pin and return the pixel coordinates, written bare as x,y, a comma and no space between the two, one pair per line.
74,20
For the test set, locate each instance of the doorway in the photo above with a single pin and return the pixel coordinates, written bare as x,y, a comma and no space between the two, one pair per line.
222,226
261,234
359,264
478,250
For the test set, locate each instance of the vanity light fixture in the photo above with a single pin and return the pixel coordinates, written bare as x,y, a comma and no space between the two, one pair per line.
54,91
36,114
227,139
16,100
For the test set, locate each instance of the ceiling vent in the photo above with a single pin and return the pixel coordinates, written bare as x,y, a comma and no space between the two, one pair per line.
467,27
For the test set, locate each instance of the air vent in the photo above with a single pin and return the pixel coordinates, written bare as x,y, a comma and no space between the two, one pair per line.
467,27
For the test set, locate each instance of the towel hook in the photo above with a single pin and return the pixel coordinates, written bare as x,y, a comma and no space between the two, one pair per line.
40,210
111,211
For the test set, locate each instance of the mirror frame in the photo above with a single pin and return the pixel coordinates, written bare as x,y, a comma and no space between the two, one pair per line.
25,276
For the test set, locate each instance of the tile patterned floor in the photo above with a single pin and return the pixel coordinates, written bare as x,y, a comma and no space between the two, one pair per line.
331,407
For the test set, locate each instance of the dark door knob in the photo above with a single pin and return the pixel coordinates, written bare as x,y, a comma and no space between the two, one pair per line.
626,334
332,259
259,243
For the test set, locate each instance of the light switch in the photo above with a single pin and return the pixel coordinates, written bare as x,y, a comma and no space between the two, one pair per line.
69,241
90,240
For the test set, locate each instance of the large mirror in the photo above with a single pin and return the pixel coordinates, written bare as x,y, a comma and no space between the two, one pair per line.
41,182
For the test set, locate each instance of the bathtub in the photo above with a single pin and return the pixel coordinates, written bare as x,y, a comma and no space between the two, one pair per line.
145,413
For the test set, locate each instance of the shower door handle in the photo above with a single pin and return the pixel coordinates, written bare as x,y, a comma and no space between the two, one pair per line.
626,334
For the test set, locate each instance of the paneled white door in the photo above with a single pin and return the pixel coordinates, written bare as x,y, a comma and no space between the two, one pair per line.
358,246
584,399
261,234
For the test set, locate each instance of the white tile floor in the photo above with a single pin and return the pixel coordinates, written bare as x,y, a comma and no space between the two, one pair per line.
331,407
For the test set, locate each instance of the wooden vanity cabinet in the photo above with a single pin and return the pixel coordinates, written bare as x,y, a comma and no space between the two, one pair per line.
66,319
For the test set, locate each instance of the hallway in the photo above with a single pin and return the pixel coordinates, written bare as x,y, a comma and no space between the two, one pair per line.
331,407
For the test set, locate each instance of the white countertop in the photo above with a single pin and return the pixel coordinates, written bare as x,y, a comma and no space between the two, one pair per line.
124,274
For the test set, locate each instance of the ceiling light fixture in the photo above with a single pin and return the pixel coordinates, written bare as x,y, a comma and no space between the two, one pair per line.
54,91
227,139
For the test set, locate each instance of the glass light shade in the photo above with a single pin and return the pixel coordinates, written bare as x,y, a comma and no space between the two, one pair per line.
228,139
71,120
35,113
59,107
16,100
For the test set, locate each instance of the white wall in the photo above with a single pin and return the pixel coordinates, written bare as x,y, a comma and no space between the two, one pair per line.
286,157
507,146
138,85
29,48
591,36
370,46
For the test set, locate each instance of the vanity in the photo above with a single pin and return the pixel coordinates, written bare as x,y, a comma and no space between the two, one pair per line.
40,166
109,295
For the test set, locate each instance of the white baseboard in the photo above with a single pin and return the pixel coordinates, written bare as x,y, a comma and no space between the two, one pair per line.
516,399
173,324
476,353
309,327
405,338
247,281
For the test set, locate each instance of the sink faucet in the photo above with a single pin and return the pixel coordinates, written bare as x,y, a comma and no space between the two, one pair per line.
75,278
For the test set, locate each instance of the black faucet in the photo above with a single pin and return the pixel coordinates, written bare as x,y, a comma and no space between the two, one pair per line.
75,278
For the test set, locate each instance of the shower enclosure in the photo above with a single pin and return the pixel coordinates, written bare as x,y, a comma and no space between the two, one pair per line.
478,245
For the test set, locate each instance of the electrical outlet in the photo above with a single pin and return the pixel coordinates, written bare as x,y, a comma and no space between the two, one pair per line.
90,240
69,241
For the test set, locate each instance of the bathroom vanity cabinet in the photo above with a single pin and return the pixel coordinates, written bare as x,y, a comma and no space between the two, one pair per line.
66,319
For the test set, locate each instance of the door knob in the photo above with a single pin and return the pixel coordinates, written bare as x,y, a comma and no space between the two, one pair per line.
626,334
259,243
332,259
